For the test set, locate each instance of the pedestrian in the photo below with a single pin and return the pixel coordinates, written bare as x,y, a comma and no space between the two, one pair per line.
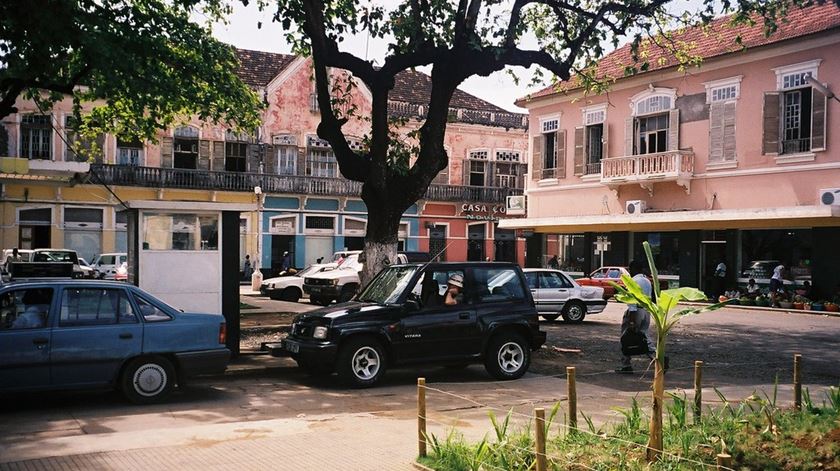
553,263
246,267
15,257
776,283
720,278
636,321
286,263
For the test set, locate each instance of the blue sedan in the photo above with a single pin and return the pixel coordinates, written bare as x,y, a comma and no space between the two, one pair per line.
74,334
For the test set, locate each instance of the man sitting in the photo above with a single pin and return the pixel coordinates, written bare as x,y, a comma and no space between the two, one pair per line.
454,289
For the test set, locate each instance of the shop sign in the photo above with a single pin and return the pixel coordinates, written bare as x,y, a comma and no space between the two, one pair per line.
482,212
515,205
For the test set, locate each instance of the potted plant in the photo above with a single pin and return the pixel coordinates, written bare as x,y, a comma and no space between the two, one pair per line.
784,301
831,307
818,305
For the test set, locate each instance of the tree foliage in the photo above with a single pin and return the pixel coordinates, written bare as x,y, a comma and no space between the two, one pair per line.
464,38
148,62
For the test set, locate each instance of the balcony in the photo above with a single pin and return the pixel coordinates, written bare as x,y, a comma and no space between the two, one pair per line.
155,177
645,170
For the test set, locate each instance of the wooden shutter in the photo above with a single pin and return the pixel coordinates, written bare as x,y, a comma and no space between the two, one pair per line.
252,163
629,137
560,154
489,173
716,132
674,129
580,150
204,155
605,139
536,157
270,160
729,131
166,152
770,133
218,156
818,119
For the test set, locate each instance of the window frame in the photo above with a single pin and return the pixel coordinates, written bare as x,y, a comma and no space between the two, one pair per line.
42,131
50,308
118,319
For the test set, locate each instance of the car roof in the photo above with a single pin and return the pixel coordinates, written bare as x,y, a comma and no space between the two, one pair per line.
50,282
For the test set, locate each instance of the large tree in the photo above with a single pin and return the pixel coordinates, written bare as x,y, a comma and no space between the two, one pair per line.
145,63
458,40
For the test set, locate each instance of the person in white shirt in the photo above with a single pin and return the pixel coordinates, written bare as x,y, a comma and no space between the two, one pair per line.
776,283
637,318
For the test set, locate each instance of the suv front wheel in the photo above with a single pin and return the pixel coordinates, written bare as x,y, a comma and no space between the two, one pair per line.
508,356
361,362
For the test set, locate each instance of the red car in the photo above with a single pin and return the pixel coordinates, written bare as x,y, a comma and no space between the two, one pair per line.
605,276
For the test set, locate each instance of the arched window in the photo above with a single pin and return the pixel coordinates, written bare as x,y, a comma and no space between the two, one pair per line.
654,127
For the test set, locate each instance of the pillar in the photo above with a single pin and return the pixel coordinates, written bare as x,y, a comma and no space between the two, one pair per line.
689,258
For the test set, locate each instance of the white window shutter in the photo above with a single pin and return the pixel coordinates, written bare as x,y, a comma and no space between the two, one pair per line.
818,111
716,132
674,129
628,136
729,153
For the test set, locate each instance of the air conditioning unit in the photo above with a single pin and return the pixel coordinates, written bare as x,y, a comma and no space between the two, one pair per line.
829,197
635,207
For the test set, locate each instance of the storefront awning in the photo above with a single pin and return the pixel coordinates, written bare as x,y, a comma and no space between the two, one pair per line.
759,218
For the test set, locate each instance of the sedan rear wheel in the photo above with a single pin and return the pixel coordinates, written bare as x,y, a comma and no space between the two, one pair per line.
574,312
147,379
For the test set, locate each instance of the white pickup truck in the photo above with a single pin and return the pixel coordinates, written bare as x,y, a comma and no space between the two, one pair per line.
340,283
290,287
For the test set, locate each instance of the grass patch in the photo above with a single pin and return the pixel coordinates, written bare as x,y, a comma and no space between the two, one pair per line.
757,433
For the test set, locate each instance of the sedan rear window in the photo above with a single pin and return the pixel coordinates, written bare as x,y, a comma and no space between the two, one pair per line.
25,308
95,306
150,312
497,284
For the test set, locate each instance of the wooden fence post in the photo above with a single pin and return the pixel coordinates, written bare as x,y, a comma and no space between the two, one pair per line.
570,379
539,412
421,416
698,390
724,461
797,381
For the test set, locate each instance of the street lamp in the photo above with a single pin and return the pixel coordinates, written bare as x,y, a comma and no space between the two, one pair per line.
820,87
256,278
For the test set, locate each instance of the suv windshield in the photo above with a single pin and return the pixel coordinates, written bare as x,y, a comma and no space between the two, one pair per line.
387,287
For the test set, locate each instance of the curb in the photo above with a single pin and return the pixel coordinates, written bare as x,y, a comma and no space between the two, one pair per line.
773,310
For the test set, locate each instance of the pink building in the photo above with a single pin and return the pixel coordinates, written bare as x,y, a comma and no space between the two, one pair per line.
732,162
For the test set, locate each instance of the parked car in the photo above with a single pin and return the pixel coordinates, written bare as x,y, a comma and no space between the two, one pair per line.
108,263
87,270
401,318
557,294
290,287
25,256
605,276
341,282
59,255
80,334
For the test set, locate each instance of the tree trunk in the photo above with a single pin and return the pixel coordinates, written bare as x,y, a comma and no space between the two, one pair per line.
381,237
654,447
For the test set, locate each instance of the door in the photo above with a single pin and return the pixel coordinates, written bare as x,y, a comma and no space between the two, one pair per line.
437,331
97,331
475,242
318,247
279,245
505,245
25,338
711,253
553,291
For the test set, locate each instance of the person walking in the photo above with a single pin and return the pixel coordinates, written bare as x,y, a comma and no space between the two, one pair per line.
720,279
636,320
286,263
246,268
553,263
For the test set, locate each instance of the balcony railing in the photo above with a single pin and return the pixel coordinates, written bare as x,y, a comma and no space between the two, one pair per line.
462,115
795,146
593,168
155,177
648,169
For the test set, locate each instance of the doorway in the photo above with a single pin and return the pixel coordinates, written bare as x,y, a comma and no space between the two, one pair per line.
34,237
475,242
712,252
280,244
505,245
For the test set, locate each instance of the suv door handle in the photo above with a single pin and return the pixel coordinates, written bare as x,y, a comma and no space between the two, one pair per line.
463,315
40,341
126,335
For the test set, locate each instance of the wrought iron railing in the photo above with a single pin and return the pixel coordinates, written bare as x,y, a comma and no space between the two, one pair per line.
593,168
794,146
155,177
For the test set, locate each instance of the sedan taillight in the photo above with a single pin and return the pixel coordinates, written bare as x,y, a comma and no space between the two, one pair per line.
222,333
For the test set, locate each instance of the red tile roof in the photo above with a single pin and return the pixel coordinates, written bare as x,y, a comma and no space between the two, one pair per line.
716,40
257,68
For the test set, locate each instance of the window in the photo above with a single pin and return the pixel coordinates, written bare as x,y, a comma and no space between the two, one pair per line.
652,134
180,232
800,122
320,222
654,104
508,175
95,306
321,163
721,95
549,280
83,231
36,136
497,285
550,125
235,156
590,141
287,160
130,152
149,311
25,308
186,147
654,127
86,147
549,154
476,173
431,289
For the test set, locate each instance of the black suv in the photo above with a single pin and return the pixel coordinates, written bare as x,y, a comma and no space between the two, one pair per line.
416,314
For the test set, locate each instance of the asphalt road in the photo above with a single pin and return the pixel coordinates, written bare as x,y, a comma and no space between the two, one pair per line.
743,351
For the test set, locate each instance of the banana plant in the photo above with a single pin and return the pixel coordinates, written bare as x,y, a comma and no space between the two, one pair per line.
665,314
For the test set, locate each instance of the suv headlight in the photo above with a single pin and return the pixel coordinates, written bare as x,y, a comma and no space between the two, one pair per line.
320,332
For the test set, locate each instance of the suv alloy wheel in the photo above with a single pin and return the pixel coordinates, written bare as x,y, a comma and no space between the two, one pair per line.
508,356
361,362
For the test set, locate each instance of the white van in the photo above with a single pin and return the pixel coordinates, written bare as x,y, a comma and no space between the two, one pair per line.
107,263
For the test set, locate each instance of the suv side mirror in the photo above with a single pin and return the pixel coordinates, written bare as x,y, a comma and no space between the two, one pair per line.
411,305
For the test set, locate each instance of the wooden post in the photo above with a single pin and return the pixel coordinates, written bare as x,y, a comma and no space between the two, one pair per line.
539,412
698,390
572,386
797,381
724,461
421,416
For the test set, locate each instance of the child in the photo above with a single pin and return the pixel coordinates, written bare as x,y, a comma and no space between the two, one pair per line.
752,289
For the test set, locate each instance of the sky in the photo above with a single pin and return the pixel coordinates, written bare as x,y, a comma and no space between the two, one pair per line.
241,31
499,88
